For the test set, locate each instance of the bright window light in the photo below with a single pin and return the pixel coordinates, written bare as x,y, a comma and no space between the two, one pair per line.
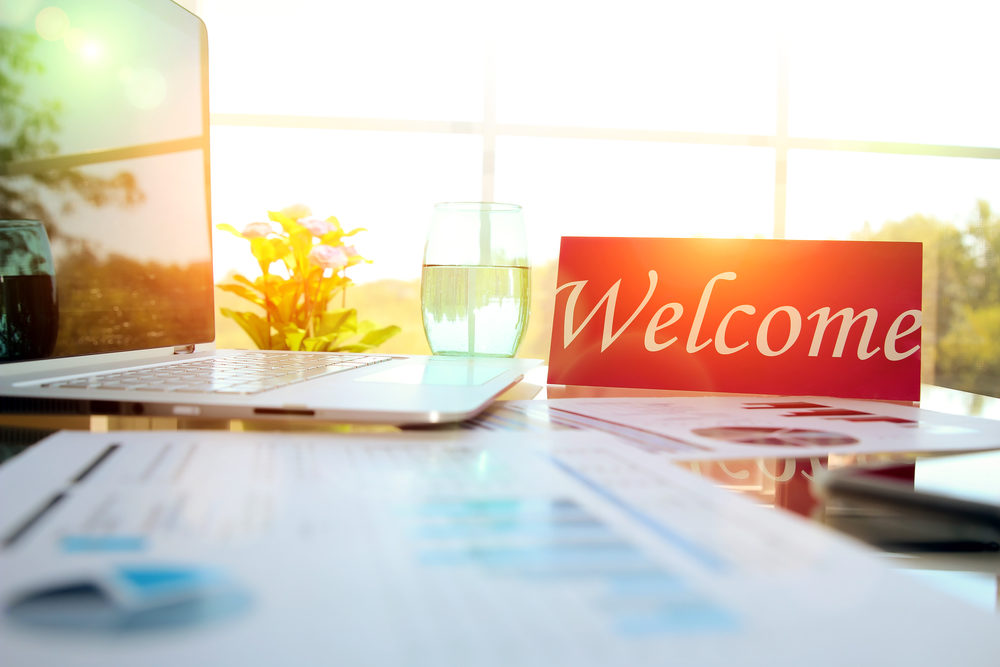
719,118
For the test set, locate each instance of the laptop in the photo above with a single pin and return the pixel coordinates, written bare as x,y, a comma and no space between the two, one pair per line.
118,173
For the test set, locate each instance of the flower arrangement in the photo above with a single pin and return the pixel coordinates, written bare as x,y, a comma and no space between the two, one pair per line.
312,259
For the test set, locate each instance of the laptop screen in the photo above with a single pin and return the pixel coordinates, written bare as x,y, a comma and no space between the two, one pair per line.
103,142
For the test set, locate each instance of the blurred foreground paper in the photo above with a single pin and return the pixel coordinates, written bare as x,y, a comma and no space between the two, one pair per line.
444,548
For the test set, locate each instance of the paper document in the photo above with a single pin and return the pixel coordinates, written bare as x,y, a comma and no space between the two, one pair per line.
451,548
694,428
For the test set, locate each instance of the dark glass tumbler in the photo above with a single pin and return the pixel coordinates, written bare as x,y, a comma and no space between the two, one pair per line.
29,313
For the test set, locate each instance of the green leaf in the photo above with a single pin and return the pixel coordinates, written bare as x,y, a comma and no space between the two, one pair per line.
285,301
317,344
292,336
281,247
270,282
287,223
376,337
272,311
301,244
269,250
340,321
352,347
365,326
253,324
240,278
330,287
229,228
250,295
357,259
278,216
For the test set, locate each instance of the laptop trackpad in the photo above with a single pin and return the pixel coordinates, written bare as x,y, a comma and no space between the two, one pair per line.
438,371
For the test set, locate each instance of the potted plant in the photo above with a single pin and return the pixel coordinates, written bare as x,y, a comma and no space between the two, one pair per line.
303,262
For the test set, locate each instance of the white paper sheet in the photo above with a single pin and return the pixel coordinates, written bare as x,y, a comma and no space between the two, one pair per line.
695,428
436,549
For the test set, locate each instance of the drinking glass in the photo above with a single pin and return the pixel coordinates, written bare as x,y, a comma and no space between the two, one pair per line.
476,282
29,315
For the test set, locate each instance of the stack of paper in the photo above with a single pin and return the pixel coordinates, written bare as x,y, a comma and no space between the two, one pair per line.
450,548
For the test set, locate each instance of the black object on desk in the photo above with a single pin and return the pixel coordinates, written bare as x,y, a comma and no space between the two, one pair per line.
15,439
889,507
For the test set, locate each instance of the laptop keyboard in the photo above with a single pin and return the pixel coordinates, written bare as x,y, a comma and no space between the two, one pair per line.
246,373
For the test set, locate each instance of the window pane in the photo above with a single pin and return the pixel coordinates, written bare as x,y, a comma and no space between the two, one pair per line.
943,203
832,194
890,70
604,188
371,59
641,65
386,183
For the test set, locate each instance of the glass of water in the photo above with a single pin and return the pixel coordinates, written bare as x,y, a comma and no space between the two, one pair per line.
29,314
475,288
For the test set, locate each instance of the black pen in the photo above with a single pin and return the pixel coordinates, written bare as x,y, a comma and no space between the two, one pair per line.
940,546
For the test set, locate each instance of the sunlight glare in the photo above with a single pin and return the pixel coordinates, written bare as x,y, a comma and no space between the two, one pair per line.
145,87
52,24
73,40
91,51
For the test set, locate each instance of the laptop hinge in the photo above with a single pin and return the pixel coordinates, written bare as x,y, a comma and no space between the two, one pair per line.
184,349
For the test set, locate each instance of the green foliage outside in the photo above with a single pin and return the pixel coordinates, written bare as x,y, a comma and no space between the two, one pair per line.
106,302
27,129
961,340
292,306
117,303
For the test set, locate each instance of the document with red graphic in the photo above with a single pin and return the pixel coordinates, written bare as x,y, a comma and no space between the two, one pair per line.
740,427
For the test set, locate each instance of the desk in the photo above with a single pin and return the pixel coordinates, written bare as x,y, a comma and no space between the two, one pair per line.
971,577
782,483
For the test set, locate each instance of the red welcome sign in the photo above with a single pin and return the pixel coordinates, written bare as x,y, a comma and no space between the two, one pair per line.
831,318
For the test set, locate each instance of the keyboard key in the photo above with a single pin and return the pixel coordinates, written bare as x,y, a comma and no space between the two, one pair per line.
251,373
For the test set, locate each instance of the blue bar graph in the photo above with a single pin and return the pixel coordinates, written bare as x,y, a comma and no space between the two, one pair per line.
545,541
